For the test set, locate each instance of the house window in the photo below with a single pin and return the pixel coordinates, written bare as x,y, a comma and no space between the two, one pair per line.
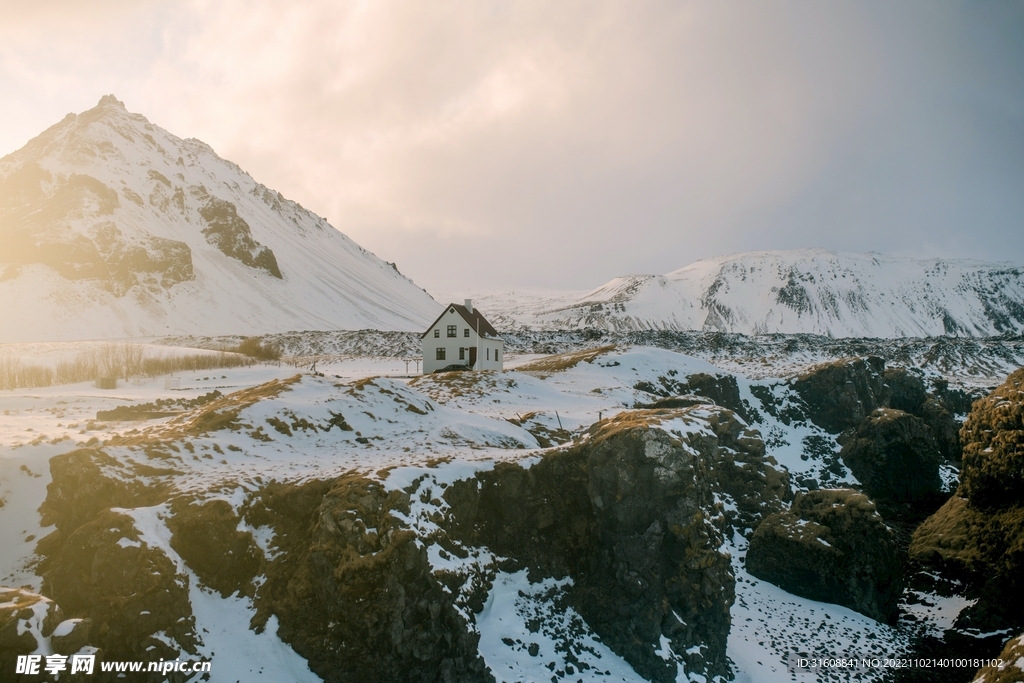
452,330
462,353
437,333
465,332
488,354
440,354
495,354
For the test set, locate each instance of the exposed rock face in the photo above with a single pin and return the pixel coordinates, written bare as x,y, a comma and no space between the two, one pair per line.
32,624
831,546
721,389
993,436
81,488
129,590
978,535
629,515
40,209
840,394
1012,668
894,456
229,232
97,569
354,591
206,536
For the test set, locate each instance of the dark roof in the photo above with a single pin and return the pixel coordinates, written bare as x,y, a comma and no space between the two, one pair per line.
473,318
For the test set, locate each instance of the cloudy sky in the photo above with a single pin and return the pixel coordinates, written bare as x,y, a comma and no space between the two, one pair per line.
497,144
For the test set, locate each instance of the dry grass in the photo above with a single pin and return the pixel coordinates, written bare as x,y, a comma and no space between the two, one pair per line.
565,361
111,360
218,414
448,385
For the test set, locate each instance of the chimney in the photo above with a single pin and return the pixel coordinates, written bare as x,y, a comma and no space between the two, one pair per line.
469,305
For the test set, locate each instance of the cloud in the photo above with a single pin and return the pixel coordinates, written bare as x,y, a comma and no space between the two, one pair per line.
560,144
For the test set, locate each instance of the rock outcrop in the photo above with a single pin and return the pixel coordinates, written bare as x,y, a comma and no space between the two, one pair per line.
831,546
629,515
993,437
97,568
1011,666
33,624
978,535
354,591
840,394
894,456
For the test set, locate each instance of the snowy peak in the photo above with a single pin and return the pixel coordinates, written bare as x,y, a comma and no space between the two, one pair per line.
114,227
801,291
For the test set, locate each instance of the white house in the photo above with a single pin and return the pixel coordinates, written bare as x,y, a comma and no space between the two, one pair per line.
462,336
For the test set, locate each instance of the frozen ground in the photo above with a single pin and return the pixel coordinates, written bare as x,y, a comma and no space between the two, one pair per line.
369,415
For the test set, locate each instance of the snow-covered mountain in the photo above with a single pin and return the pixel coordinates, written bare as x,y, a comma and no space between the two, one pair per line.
801,291
113,227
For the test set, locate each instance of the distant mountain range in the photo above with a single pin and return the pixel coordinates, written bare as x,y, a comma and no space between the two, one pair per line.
113,227
801,291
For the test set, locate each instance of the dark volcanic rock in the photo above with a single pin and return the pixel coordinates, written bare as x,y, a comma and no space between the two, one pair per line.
230,233
721,389
904,391
993,438
128,594
831,546
130,590
1011,666
27,621
355,593
978,535
85,482
629,515
842,393
207,537
894,456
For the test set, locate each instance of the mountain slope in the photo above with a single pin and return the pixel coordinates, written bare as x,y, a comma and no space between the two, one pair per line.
801,291
113,227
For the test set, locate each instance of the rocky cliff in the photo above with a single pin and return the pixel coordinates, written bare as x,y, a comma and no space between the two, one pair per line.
632,518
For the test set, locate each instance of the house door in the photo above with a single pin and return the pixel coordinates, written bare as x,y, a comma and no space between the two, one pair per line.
472,356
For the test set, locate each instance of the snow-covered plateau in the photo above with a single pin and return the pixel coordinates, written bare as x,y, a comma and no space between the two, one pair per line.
583,516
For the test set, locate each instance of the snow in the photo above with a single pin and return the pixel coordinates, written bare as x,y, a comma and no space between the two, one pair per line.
770,625
421,433
160,182
812,291
519,615
234,653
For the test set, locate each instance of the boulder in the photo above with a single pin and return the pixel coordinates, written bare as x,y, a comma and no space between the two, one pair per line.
831,546
841,393
993,447
70,636
894,456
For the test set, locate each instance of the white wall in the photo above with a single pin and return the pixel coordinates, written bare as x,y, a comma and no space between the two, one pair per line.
488,347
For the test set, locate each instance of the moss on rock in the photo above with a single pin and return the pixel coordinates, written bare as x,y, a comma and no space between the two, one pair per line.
832,546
